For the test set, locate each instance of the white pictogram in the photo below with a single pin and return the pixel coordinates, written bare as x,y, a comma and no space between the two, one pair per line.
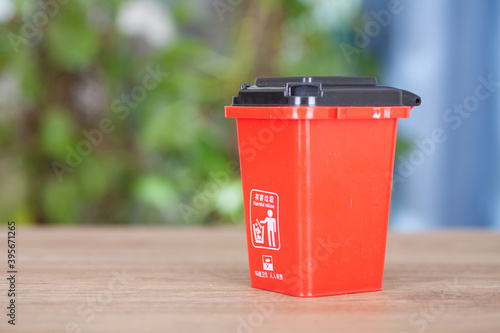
264,219
267,263
271,227
258,232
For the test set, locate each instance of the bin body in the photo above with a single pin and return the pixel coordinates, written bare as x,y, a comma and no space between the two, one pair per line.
316,188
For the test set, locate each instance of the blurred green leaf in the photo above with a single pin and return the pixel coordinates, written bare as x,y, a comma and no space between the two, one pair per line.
229,201
57,133
403,146
72,43
97,175
60,201
155,191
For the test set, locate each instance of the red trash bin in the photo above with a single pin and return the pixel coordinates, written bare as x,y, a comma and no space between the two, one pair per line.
316,157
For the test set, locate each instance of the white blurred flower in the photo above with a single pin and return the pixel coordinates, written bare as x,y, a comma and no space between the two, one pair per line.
89,95
147,19
7,10
9,95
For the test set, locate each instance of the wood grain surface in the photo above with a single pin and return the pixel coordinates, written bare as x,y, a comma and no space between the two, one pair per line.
139,279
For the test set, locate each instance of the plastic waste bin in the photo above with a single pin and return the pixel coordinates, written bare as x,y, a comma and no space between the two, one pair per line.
316,158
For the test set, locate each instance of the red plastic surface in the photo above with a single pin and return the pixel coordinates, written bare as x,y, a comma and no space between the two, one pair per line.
328,173
318,112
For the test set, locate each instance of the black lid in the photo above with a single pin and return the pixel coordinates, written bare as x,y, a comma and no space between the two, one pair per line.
322,91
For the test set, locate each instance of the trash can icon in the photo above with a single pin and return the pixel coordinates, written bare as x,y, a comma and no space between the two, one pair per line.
316,158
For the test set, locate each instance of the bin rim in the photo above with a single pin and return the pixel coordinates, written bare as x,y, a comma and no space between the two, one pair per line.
318,112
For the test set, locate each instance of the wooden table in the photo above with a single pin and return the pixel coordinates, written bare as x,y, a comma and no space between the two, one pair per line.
168,279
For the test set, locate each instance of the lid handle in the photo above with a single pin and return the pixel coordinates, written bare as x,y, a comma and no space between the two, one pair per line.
299,89
324,80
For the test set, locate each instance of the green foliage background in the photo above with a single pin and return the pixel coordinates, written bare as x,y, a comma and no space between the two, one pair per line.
161,156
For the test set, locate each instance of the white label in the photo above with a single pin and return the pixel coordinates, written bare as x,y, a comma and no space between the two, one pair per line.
267,263
264,219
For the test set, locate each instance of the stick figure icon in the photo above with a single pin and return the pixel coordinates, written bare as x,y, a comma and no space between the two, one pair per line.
271,227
